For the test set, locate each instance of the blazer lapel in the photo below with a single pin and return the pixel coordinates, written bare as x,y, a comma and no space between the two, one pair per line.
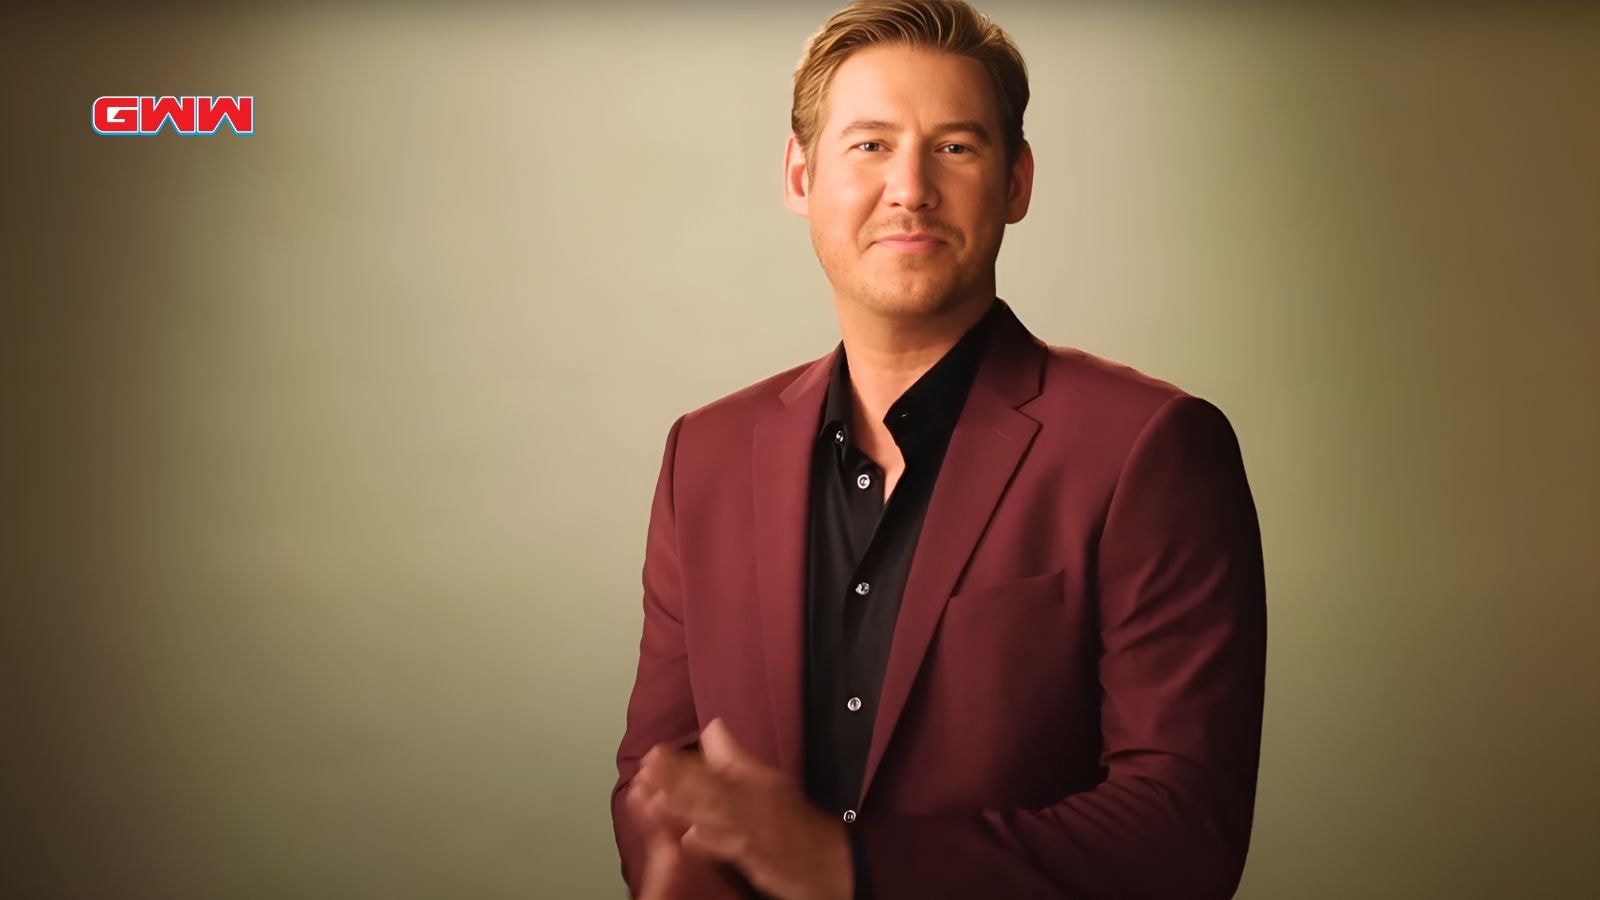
988,443
782,474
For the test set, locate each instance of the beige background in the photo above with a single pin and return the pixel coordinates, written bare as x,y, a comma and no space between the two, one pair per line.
327,451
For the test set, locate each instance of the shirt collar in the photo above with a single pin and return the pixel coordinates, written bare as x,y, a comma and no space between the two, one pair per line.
928,408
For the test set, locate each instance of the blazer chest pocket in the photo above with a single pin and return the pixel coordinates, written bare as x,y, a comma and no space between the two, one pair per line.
1036,592
1018,646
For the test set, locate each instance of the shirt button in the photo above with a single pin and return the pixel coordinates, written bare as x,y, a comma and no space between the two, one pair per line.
853,704
862,588
863,481
838,436
849,815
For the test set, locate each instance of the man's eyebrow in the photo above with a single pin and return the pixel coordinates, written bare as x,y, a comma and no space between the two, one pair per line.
967,126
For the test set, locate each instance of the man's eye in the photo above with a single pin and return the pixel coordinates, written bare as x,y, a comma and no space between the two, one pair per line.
958,148
869,146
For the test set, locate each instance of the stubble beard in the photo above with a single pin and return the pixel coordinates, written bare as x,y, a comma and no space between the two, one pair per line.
895,286
910,288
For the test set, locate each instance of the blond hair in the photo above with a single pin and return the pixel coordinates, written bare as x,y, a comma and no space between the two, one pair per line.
949,26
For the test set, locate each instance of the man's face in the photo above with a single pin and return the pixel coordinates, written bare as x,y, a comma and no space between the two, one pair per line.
911,144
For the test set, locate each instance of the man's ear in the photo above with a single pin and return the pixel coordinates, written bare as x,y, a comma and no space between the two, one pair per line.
795,188
1020,192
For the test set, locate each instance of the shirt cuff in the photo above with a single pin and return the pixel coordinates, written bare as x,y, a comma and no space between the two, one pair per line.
858,865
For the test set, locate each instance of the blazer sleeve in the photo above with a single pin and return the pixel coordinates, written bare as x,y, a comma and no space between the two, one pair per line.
661,708
1182,605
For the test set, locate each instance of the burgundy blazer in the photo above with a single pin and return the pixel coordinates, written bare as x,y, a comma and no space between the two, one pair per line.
1072,702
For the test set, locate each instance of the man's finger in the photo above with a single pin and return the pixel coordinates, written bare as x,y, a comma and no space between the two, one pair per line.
646,807
662,817
663,856
690,791
707,842
722,753
638,795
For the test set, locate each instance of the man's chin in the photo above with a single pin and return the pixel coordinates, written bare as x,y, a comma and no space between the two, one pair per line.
912,302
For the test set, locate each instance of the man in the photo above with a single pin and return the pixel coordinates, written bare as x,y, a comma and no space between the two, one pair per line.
947,612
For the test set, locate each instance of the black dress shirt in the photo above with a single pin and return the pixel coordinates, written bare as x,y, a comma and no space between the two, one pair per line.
859,556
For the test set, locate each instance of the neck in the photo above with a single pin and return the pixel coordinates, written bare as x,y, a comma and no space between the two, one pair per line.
887,355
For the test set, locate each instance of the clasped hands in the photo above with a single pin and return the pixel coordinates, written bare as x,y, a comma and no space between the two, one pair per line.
723,805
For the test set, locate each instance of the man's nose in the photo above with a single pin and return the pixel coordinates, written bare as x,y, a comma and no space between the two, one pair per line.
910,183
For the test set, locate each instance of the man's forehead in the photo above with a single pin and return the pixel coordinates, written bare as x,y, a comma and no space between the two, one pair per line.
898,85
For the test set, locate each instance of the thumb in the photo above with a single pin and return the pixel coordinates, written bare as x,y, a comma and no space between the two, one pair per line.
662,859
722,753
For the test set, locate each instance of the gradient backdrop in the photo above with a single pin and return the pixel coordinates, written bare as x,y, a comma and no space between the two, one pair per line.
328,451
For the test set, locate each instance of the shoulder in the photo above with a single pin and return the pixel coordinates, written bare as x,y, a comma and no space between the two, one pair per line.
737,413
1117,407
1116,395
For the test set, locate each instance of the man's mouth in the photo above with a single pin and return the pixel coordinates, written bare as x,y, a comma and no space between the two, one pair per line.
910,242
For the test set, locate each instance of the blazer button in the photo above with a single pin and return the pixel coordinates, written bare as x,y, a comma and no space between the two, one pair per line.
853,704
849,815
